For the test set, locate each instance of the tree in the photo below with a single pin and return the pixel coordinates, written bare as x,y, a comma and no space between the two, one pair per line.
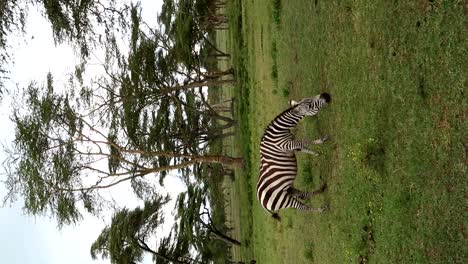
147,116
151,79
126,239
12,18
188,24
65,152
195,223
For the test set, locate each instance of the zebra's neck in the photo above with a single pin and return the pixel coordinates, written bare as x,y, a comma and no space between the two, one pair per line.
285,121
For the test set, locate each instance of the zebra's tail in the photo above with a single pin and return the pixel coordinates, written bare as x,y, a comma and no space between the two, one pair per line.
275,216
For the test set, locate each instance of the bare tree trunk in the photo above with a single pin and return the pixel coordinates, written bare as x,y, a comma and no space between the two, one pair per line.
223,135
142,244
224,238
216,74
213,46
209,83
215,233
226,160
218,56
229,121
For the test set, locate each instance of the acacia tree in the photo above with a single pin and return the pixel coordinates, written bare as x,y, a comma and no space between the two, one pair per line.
132,232
128,237
194,221
150,79
64,152
186,25
133,125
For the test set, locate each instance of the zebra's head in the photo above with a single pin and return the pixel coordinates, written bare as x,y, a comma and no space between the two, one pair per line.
310,106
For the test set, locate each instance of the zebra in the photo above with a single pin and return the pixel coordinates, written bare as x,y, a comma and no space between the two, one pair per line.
278,165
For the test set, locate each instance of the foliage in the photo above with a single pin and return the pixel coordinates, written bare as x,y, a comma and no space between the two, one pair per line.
139,119
147,115
59,151
79,23
195,225
150,81
186,23
126,239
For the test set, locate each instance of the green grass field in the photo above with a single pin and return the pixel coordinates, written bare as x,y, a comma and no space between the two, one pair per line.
396,165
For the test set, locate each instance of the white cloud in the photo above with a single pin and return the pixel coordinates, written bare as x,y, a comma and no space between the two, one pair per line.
36,240
20,241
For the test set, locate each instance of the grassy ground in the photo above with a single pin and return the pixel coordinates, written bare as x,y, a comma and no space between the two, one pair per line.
396,166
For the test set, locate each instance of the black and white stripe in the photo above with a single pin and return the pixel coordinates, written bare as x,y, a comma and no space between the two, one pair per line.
278,165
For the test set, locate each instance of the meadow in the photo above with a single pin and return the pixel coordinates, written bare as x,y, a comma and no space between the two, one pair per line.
396,164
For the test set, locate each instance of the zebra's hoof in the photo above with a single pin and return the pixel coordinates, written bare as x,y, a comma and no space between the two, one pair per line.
324,209
323,188
325,138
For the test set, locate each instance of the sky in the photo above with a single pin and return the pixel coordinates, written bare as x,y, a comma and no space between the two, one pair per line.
26,239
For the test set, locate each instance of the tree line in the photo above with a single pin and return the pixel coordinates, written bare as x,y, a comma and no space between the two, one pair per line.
146,115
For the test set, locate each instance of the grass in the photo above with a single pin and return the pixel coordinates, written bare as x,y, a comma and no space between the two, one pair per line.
276,13
396,166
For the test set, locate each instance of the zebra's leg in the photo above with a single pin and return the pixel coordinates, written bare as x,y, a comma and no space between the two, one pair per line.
308,151
303,207
303,145
298,145
306,195
321,140
293,202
